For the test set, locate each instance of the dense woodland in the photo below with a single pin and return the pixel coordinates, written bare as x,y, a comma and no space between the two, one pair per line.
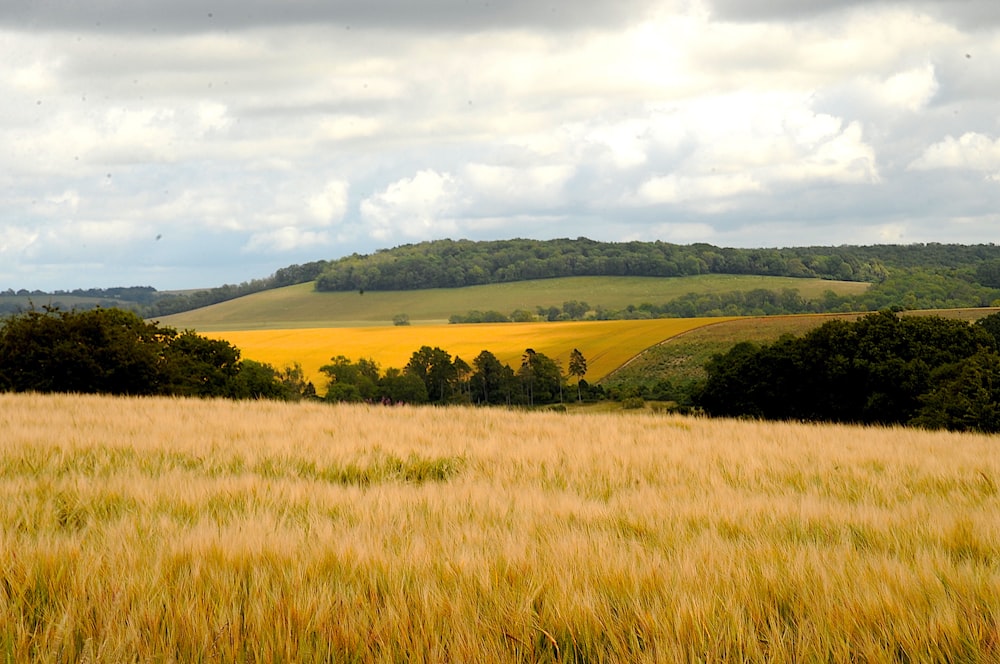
112,351
882,369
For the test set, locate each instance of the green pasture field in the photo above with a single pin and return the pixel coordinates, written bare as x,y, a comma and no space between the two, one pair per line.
301,306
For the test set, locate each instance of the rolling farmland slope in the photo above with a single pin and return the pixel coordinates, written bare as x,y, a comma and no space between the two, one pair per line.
302,306
606,344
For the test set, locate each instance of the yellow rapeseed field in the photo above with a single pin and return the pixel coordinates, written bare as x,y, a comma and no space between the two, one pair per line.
171,530
605,344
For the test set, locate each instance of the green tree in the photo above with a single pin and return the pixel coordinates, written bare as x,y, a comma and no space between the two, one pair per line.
109,351
434,367
577,368
397,386
490,382
964,396
256,380
200,367
295,384
351,381
541,378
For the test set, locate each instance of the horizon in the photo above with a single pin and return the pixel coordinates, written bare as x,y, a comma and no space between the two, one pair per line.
71,290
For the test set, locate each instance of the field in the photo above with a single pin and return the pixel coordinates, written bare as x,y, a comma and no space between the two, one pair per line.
194,531
301,306
605,344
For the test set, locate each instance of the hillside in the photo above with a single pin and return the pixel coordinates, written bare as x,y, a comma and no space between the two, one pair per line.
302,306
918,276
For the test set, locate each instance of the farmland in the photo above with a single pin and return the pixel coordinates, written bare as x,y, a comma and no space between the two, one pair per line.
189,530
605,344
302,306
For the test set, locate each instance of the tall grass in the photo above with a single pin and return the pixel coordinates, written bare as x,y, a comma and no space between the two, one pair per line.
172,530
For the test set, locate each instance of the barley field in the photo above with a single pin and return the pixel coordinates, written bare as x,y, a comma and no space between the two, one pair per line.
606,344
170,530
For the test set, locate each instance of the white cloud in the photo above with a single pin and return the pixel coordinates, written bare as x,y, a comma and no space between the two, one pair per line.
971,151
329,206
910,90
16,239
708,193
421,206
285,239
533,185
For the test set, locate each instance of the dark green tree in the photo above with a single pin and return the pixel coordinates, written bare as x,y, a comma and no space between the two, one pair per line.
108,351
351,381
541,378
964,396
577,368
435,368
200,367
397,386
490,382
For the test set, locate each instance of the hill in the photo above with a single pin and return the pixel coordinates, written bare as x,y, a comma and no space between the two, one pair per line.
302,306
919,276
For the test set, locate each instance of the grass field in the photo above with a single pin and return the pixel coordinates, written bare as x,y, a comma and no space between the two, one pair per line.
605,344
194,531
301,306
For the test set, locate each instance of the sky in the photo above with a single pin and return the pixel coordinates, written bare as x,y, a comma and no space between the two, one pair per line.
192,143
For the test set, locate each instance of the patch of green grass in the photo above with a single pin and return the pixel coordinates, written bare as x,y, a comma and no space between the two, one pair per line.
301,306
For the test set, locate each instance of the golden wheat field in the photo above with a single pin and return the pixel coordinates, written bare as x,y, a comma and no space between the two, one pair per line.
169,530
606,344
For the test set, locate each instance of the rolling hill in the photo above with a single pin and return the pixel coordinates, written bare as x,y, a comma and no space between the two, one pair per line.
301,306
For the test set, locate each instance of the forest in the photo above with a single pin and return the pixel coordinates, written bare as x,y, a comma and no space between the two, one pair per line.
452,264
112,351
882,369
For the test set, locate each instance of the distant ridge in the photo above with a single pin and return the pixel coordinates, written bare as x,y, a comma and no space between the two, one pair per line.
458,263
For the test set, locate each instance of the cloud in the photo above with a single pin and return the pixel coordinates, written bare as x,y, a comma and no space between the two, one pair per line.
968,13
971,151
254,134
504,186
420,206
288,238
187,15
329,206
707,192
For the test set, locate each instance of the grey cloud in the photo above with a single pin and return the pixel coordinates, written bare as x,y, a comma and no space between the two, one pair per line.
966,13
164,16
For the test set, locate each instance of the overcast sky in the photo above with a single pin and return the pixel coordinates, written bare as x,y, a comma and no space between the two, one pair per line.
192,143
